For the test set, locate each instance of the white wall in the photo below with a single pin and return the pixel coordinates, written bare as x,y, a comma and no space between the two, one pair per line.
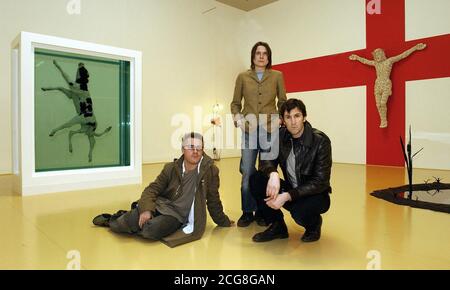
302,29
189,57
426,18
428,101
341,114
427,111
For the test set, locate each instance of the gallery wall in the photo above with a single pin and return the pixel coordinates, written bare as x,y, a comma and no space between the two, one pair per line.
301,30
193,50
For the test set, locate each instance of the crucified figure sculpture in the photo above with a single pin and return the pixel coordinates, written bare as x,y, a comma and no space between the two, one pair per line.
81,98
383,83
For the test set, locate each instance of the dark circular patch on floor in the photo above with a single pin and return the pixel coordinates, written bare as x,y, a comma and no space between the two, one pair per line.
433,196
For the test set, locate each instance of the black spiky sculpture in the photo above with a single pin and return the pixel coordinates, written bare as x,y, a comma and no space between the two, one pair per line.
409,161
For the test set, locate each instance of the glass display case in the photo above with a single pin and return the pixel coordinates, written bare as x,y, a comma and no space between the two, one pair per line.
76,114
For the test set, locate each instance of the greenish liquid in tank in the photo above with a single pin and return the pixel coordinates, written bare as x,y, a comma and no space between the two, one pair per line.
109,91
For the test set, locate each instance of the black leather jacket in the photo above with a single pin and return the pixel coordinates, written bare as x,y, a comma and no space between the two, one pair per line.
312,162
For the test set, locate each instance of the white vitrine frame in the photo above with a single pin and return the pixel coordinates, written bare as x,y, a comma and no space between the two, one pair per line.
26,180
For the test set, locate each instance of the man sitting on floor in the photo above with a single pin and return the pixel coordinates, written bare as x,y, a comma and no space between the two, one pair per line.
173,207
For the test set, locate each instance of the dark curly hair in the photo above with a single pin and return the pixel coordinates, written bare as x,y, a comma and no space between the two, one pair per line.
291,104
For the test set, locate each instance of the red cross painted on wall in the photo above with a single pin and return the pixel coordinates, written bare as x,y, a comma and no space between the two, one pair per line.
387,31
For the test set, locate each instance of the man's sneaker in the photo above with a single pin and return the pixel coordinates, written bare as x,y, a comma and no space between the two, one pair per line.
313,235
246,219
277,230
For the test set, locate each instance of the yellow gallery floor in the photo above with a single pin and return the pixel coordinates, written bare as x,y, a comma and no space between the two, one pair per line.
39,232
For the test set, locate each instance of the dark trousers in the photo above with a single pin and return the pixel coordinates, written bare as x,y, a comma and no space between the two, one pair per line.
154,229
305,211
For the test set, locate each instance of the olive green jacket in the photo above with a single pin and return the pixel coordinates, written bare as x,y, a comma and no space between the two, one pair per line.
260,97
207,195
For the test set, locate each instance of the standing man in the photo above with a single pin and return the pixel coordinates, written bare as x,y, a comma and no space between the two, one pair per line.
262,90
305,159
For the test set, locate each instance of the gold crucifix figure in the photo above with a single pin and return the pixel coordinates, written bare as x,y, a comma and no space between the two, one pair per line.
383,83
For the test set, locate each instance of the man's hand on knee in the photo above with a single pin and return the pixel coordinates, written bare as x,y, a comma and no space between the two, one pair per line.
273,185
279,201
144,217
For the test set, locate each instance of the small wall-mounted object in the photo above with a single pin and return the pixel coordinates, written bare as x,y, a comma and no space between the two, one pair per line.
216,121
76,114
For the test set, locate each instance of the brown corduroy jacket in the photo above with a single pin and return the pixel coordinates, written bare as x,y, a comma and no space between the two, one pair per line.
260,97
206,196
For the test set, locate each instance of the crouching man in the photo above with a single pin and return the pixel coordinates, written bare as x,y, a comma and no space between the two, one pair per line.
305,159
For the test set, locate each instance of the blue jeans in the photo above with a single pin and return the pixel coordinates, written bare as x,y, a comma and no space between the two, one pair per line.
260,141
